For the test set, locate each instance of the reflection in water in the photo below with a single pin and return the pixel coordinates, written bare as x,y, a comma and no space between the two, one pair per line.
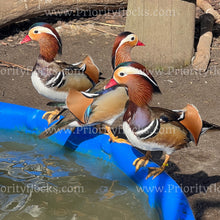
42,180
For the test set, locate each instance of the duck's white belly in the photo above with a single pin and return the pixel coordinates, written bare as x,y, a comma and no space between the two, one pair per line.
49,93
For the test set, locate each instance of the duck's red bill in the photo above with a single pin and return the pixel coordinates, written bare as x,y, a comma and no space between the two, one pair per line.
25,40
111,83
139,43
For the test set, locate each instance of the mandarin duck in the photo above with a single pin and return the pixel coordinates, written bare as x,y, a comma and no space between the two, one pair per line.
121,51
88,109
52,78
102,107
154,128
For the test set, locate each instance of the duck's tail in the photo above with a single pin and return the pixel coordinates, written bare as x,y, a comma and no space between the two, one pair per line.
62,124
209,126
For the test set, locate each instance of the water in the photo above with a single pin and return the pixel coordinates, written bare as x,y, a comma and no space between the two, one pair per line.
42,180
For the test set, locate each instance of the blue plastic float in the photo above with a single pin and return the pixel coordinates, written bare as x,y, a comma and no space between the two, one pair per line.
163,192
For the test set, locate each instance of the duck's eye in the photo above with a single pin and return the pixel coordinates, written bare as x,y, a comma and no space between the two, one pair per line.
36,31
121,74
132,38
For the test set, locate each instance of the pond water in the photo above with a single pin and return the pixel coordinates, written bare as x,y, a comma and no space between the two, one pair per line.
43,180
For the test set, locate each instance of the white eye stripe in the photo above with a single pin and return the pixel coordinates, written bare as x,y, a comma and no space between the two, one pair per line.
133,71
46,30
128,38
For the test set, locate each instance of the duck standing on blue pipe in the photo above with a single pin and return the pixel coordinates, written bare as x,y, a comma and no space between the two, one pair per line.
148,128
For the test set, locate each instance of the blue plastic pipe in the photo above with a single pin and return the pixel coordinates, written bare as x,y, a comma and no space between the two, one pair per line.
163,192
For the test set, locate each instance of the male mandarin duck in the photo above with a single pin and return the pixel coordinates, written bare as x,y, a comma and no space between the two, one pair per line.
153,128
103,107
51,78
121,51
87,109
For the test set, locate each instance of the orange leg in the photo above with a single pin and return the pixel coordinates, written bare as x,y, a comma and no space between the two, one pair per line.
113,138
156,171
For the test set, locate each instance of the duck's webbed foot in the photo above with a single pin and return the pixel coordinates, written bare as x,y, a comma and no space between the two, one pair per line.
156,171
114,138
50,115
142,161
